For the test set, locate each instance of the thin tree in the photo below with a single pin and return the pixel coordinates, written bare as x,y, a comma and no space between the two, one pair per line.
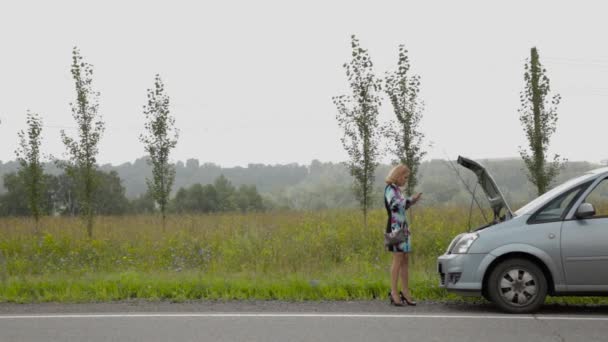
82,151
159,139
28,155
358,117
404,134
538,117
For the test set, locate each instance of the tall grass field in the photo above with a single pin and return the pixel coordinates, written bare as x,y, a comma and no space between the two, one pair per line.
324,255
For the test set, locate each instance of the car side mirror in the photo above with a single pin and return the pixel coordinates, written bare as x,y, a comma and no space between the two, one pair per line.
585,210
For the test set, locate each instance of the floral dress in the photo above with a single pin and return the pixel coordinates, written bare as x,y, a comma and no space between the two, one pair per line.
396,205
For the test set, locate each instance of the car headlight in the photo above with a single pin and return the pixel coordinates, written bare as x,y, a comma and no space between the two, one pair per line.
454,242
464,242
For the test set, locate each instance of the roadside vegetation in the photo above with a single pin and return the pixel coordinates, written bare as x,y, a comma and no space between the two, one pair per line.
323,255
289,255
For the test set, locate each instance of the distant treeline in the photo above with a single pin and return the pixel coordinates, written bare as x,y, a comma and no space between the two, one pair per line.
60,197
210,188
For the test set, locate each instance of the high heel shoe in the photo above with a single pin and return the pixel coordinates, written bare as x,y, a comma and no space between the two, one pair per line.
404,299
392,301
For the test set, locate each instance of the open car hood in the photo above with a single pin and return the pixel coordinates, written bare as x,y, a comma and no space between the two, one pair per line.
495,197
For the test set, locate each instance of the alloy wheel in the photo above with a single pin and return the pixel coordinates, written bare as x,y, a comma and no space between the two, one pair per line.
518,286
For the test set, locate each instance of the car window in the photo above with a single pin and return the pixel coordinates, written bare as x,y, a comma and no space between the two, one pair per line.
550,194
557,208
599,198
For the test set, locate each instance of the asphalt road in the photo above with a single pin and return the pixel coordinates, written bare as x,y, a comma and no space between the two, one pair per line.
286,321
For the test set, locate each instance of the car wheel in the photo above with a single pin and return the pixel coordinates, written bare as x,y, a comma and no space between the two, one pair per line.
517,286
485,296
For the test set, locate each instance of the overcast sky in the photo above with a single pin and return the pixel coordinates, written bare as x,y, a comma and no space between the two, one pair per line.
252,81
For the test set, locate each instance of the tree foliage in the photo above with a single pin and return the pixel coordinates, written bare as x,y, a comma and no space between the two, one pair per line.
82,151
405,137
59,195
143,204
29,158
538,116
225,193
221,196
248,199
14,201
197,198
159,139
358,117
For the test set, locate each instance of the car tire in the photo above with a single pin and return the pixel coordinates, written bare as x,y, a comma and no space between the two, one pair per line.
517,286
485,296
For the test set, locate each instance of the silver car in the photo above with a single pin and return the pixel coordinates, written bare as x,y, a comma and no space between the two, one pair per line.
557,244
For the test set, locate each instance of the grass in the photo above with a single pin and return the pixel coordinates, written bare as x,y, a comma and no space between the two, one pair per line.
326,255
195,285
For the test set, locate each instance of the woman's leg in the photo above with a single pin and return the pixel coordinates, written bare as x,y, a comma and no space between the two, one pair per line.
404,271
395,268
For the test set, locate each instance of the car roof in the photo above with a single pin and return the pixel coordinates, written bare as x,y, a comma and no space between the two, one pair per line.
599,170
560,189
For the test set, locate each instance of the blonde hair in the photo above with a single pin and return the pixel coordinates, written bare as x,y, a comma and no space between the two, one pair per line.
395,172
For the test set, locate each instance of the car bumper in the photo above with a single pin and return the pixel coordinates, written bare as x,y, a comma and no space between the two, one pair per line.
462,273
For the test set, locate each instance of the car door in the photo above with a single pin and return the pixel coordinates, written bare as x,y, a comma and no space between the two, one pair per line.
584,243
545,227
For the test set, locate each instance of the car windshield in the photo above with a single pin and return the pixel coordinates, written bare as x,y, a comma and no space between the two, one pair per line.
551,193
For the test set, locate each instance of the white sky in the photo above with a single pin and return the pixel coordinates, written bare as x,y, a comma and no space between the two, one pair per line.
252,81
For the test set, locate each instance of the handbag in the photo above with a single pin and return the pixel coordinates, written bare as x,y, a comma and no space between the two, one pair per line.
395,237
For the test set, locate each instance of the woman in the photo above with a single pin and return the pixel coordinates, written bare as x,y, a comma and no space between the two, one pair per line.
396,205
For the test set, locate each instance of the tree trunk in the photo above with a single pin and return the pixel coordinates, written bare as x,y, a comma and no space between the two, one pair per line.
90,225
539,158
36,226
